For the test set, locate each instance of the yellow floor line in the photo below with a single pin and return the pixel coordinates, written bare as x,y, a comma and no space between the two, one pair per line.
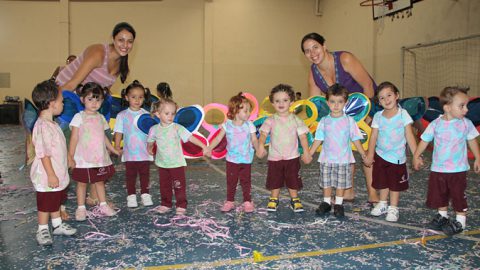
261,258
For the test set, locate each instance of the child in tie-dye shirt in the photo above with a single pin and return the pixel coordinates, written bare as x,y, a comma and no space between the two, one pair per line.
391,130
337,131
241,142
448,177
285,129
135,154
88,152
169,157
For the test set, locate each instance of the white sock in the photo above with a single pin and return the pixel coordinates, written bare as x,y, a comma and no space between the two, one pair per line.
56,222
81,207
62,207
103,203
393,206
327,200
338,200
383,203
42,227
462,220
443,213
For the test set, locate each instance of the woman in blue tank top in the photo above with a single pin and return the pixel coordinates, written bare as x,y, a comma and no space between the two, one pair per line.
343,68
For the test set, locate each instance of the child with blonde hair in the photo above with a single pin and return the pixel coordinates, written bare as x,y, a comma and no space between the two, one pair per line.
169,157
450,133
285,129
135,154
241,142
88,153
49,171
336,131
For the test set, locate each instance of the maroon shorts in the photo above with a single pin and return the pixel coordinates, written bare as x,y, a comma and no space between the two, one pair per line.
284,173
443,187
389,175
93,175
50,201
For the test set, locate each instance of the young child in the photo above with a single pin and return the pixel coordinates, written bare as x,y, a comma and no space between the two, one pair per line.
164,91
448,176
49,171
391,130
283,157
88,153
169,157
337,131
135,154
241,142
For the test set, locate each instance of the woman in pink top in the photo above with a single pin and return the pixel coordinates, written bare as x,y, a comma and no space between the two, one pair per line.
100,63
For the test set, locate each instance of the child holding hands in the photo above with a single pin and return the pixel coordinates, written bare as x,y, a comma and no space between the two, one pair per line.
448,177
135,154
337,131
285,129
241,142
391,130
49,171
88,153
169,157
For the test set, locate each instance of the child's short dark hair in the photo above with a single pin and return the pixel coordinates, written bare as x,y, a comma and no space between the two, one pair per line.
385,85
337,90
95,89
44,93
235,104
133,85
282,88
164,91
447,94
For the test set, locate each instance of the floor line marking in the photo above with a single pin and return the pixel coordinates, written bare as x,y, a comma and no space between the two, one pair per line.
364,218
296,255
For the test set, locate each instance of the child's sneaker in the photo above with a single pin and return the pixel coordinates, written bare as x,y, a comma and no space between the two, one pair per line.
44,238
228,206
248,207
180,211
438,222
452,227
132,201
338,210
392,214
296,205
147,199
379,209
64,229
81,214
272,204
323,208
162,209
107,211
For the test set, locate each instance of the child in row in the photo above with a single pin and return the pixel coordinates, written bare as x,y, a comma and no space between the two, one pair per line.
284,129
49,171
88,152
169,156
391,130
448,178
337,131
241,142
135,154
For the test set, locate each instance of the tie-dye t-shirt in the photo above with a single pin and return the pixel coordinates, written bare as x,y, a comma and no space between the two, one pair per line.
450,143
49,141
239,142
391,136
337,133
284,132
91,151
169,147
134,140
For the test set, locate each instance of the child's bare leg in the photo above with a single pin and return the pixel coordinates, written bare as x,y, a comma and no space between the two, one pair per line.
394,198
349,194
92,198
274,193
384,195
372,193
100,189
63,213
293,193
81,193
42,218
327,192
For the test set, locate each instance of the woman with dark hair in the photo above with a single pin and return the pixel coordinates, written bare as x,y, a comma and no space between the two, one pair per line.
329,68
100,63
